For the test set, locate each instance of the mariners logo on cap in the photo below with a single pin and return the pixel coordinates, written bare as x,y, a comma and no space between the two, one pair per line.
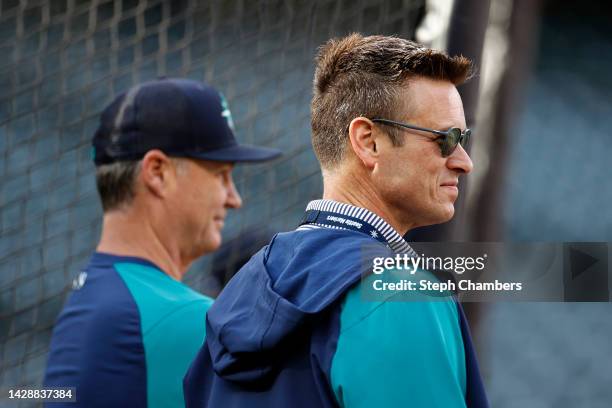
226,112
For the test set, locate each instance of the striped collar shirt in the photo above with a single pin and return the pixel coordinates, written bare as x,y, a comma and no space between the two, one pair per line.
392,238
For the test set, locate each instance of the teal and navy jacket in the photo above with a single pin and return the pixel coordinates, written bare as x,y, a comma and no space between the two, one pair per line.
126,336
291,329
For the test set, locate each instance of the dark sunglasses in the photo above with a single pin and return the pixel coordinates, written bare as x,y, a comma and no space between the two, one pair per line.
448,140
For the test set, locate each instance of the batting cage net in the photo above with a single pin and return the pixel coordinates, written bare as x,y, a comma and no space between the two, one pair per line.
63,61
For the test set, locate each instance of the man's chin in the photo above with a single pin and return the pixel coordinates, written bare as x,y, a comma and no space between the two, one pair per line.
450,213
444,215
211,244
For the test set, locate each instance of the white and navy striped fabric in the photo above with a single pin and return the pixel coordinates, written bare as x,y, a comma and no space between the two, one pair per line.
393,239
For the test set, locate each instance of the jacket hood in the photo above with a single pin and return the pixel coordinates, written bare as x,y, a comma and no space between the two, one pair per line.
279,293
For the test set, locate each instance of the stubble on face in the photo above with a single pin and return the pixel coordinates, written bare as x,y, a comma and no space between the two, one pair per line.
201,206
411,176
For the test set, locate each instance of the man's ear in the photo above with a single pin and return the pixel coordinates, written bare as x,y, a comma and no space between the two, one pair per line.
157,173
363,141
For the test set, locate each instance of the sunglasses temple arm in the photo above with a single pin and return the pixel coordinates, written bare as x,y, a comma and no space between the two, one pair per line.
413,127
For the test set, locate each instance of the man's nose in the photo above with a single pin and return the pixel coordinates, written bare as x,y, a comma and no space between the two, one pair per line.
460,161
233,197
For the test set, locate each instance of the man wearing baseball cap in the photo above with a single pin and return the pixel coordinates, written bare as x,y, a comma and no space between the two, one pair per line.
164,153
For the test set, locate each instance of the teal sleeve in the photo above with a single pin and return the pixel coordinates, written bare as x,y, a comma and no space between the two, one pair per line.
170,348
399,354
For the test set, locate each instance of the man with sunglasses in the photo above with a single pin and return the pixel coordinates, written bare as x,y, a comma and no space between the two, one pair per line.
292,328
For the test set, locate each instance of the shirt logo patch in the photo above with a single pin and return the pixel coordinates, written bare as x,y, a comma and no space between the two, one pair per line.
79,281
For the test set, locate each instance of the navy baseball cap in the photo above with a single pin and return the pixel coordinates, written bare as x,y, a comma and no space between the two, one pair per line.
180,117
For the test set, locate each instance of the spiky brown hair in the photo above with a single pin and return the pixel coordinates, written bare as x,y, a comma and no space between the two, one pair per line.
362,76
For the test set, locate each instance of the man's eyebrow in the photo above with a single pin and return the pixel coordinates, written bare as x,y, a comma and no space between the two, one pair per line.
226,166
448,125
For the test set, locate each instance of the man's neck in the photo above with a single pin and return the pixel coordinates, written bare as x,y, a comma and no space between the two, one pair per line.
357,191
125,233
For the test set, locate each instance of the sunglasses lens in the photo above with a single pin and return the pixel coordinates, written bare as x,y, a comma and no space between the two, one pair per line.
449,143
466,138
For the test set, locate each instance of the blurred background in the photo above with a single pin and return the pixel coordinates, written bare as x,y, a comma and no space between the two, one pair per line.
540,106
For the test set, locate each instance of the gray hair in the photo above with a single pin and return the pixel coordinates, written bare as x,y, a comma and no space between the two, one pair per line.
115,183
